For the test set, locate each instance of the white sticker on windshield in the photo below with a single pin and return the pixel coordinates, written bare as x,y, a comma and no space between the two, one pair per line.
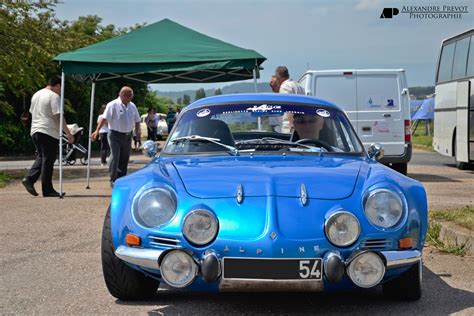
264,108
323,112
203,112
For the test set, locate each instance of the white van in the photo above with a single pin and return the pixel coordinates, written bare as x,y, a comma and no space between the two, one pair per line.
376,101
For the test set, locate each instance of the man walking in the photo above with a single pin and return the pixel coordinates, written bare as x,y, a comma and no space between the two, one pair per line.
122,116
45,119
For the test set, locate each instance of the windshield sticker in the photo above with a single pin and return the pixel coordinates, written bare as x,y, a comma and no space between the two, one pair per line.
323,112
203,112
264,108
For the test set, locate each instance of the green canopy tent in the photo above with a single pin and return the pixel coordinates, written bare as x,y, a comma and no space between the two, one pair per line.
163,52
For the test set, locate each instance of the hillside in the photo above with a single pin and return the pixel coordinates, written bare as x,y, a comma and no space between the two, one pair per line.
248,87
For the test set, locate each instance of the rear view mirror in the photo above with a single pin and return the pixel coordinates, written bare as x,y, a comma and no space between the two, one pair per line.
376,151
150,148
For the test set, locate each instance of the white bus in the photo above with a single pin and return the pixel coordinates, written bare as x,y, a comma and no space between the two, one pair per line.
454,101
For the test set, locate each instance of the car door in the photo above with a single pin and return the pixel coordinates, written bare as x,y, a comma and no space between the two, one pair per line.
379,111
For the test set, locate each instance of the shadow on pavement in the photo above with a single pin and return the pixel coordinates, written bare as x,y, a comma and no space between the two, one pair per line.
430,178
438,298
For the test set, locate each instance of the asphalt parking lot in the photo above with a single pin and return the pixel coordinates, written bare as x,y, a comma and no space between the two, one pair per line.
50,259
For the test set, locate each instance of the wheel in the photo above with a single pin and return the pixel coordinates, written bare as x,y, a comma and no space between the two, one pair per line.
407,286
122,281
317,142
84,160
400,167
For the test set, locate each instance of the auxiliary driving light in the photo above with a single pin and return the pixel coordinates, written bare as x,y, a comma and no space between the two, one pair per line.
366,270
178,269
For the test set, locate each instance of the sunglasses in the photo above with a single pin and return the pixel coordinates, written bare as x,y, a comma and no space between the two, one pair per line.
301,119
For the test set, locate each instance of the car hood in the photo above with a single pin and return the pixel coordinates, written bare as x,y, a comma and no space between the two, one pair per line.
325,177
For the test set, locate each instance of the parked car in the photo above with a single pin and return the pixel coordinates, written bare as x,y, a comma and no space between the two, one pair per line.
377,103
231,204
162,131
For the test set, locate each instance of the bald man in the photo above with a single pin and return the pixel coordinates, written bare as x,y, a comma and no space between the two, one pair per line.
122,116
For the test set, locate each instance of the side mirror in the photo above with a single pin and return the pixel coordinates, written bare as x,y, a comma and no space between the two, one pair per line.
376,151
150,148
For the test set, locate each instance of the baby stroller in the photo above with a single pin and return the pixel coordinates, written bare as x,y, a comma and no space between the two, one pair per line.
74,151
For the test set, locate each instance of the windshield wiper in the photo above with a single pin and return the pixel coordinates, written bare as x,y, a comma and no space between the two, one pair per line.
198,138
272,140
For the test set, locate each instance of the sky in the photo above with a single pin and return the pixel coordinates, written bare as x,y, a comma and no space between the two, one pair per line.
300,34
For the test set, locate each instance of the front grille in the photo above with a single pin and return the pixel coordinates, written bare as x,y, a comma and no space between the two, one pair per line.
164,241
376,244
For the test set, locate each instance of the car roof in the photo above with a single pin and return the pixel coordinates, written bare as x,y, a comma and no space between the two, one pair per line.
260,97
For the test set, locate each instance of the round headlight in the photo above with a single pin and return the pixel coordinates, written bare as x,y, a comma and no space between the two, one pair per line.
200,227
178,269
342,229
383,208
155,207
366,270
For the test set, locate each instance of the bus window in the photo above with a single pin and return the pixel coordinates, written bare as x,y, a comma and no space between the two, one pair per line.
470,61
446,63
460,58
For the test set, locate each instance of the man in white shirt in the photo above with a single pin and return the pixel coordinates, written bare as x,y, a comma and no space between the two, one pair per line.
45,120
122,116
287,85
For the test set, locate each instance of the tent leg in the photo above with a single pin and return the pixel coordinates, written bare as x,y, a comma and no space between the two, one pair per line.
61,123
90,133
259,120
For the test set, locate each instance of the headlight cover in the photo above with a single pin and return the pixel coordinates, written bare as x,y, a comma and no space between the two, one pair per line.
384,208
342,229
154,207
200,227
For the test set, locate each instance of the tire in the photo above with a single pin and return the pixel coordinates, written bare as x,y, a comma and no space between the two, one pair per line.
84,160
406,287
122,281
400,167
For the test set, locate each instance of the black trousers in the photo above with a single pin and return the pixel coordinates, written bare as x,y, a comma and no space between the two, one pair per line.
120,146
47,150
104,147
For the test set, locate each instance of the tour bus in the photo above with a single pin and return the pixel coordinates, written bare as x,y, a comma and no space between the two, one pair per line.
377,103
454,101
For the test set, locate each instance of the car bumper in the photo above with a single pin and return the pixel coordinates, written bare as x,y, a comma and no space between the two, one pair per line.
403,158
150,258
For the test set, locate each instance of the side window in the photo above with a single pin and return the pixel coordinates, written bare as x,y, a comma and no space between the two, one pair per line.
470,61
460,58
446,63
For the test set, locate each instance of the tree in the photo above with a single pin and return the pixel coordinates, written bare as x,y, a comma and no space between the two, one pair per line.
186,99
31,36
179,101
200,93
218,91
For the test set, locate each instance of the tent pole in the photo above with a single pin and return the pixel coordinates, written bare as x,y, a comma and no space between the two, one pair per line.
255,76
61,123
90,133
259,121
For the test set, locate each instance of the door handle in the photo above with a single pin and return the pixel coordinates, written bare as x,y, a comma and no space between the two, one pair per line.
387,115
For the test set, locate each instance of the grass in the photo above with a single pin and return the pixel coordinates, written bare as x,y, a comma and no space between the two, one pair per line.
461,216
4,179
420,139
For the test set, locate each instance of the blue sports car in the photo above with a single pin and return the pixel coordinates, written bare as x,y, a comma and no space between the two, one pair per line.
256,192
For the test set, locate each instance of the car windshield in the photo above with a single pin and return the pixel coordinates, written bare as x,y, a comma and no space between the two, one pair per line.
239,128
